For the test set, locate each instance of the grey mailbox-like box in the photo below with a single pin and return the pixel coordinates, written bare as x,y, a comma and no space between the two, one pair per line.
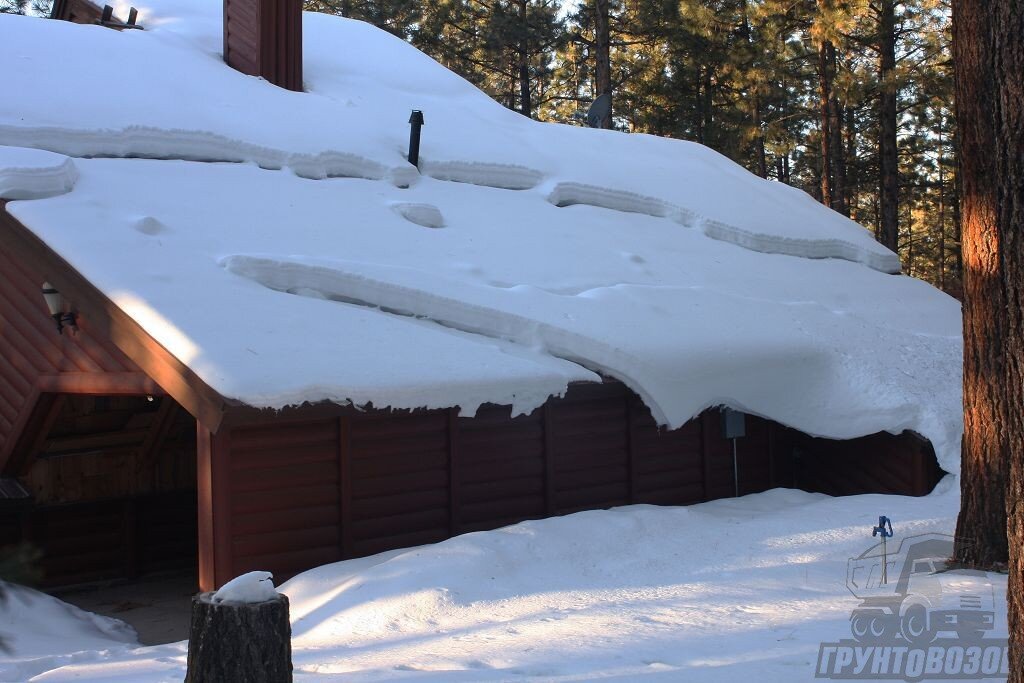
734,424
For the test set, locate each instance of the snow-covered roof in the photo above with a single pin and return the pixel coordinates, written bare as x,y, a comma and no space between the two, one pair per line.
281,246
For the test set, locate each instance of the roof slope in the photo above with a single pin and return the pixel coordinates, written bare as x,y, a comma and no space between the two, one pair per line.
329,268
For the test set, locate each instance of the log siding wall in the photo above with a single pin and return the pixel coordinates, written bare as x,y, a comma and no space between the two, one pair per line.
303,492
318,484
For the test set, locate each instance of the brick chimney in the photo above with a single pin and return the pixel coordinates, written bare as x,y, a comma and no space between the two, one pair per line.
264,38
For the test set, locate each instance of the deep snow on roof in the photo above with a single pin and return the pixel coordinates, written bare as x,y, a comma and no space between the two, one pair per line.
523,256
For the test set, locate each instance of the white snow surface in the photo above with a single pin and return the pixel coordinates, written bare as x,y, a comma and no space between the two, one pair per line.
322,266
34,173
42,632
248,588
733,590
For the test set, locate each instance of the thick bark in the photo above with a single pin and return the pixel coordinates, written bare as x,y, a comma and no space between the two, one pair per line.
889,190
239,642
1008,53
603,60
981,526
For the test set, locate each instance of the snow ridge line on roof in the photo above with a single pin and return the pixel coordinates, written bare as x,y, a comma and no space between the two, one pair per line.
143,142
571,194
185,145
47,178
304,279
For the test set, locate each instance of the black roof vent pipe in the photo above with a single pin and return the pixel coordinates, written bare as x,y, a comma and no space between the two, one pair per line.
415,123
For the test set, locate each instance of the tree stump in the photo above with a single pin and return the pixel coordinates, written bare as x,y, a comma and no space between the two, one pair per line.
244,642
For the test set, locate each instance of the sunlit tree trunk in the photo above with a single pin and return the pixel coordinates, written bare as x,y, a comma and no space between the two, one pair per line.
1008,52
981,526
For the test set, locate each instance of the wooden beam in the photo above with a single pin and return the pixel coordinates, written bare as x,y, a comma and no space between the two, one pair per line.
204,490
220,460
14,443
40,411
107,319
100,384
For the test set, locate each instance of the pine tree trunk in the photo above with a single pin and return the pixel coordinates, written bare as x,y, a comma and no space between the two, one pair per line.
761,157
835,141
942,210
760,151
1008,40
824,98
603,60
239,642
981,526
850,160
525,103
887,143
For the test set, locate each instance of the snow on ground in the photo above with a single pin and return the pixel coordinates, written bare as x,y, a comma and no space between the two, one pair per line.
732,590
525,255
42,633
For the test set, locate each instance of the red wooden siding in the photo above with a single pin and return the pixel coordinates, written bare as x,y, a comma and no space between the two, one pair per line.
304,490
501,469
400,481
264,38
284,496
880,463
669,467
34,358
588,444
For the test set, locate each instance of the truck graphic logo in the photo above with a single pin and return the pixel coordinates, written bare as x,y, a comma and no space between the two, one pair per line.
916,618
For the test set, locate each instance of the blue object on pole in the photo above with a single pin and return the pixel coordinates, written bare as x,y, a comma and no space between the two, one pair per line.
884,527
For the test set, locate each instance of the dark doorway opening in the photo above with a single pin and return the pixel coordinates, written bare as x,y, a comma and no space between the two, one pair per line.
111,504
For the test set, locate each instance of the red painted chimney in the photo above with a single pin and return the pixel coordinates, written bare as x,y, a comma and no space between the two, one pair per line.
264,38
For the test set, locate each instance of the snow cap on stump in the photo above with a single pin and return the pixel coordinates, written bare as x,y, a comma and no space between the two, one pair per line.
241,633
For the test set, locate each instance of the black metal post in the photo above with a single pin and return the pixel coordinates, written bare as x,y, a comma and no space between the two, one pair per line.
416,122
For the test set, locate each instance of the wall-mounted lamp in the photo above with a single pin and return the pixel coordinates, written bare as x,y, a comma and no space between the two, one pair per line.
55,302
